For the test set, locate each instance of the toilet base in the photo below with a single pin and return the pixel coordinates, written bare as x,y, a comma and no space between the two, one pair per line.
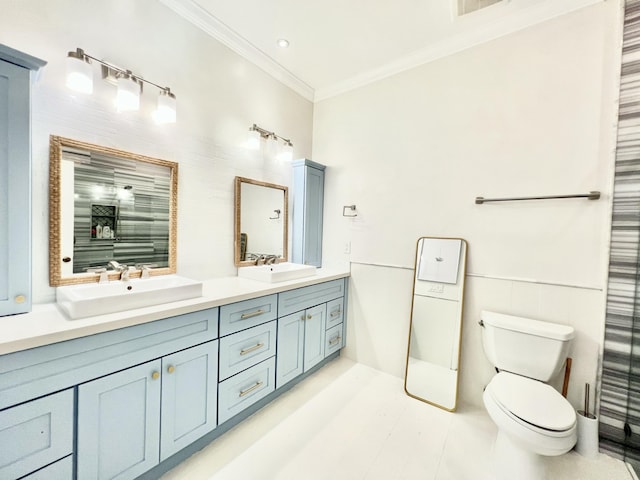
513,462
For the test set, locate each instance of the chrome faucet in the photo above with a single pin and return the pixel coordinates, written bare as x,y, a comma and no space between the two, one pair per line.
270,259
123,269
260,260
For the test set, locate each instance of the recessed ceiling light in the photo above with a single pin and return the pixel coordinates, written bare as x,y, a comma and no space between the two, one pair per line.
283,42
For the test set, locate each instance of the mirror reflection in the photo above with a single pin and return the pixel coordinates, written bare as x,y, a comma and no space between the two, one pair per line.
433,354
261,217
109,205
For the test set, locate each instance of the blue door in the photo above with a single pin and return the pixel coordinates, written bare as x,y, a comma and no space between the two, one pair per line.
119,424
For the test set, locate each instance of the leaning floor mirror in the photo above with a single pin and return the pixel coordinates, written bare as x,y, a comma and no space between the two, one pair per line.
433,353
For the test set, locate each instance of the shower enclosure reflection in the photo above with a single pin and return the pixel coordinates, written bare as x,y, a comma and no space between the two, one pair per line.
433,354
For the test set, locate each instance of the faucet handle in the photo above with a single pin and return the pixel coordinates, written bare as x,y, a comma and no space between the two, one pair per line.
145,267
104,276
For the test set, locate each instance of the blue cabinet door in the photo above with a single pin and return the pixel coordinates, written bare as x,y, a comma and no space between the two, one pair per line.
314,335
290,347
313,217
189,396
306,224
15,190
119,424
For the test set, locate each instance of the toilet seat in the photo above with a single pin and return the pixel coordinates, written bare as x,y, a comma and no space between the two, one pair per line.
535,403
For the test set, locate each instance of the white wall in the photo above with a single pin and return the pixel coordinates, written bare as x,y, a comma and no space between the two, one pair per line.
532,113
219,95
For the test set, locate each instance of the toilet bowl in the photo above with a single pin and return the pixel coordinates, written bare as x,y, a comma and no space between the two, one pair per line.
533,414
533,419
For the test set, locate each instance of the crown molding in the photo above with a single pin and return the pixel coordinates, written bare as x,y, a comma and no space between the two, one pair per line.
501,26
201,18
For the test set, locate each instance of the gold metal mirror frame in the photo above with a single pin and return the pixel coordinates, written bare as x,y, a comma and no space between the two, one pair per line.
238,211
462,269
56,146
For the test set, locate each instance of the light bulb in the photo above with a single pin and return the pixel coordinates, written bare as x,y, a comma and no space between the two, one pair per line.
166,111
253,139
128,96
79,74
286,153
271,148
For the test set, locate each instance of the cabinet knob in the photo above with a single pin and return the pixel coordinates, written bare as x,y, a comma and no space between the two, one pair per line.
155,375
171,369
309,317
20,299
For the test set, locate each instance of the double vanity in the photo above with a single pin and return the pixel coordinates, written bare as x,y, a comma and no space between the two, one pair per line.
135,368
130,394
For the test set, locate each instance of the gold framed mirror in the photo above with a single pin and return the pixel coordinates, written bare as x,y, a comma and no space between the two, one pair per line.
261,221
107,204
435,329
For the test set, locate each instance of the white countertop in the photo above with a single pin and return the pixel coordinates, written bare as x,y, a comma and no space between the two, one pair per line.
46,323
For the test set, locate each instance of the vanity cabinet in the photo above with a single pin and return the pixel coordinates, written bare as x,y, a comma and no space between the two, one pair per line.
15,179
301,342
140,399
302,334
308,200
131,420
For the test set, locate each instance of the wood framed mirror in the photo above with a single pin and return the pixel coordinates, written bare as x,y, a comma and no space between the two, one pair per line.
435,330
261,221
107,204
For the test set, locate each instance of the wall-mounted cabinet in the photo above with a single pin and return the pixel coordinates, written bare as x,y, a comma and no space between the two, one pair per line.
308,200
15,179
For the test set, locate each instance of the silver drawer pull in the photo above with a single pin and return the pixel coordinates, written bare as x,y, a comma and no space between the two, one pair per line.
335,340
251,349
335,314
250,389
252,314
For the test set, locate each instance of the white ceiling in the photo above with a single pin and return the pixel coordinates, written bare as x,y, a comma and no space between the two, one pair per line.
338,45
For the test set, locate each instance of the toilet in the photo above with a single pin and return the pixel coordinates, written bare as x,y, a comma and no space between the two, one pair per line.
533,418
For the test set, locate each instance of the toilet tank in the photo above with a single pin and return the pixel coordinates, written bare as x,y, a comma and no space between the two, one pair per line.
523,346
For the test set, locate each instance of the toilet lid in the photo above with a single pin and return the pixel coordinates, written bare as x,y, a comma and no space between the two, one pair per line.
532,401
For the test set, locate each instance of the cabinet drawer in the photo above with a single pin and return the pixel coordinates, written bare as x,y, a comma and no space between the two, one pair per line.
306,297
35,434
335,312
243,390
244,349
334,340
249,313
61,470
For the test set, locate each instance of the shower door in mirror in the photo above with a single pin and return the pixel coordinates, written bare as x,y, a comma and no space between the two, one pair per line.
433,353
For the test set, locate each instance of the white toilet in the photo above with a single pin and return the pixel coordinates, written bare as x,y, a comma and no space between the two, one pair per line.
533,418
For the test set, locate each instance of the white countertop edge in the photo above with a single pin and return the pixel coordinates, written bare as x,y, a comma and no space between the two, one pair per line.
47,324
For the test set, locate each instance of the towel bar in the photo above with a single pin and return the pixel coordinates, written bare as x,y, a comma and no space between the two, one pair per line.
593,195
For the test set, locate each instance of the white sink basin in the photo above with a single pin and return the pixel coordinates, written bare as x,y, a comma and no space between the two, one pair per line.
278,272
86,300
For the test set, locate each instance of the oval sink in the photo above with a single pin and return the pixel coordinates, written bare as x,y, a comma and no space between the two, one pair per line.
278,272
86,300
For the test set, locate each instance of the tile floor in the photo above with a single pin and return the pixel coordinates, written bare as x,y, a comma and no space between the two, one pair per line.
351,422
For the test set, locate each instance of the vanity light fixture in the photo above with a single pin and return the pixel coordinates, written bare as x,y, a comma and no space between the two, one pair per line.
80,79
283,42
284,153
128,96
79,76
